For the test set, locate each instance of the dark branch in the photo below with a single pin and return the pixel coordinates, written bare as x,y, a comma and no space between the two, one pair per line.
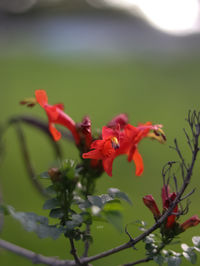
73,252
138,261
32,256
27,161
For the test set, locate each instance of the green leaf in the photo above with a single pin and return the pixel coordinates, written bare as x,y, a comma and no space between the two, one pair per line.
190,256
77,218
95,200
56,213
196,241
50,204
159,259
185,247
44,175
44,231
116,193
106,198
173,261
87,218
112,206
115,218
50,190
35,223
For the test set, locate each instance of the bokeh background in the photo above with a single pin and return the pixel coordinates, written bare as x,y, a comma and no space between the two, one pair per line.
99,58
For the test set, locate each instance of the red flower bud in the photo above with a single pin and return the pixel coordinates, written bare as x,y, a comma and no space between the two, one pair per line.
151,204
192,221
121,119
84,130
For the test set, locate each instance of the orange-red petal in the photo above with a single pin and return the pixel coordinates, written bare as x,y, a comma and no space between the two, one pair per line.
41,97
107,165
137,158
54,132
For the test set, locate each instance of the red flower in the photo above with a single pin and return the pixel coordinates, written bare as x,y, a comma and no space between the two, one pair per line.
151,204
167,199
127,137
105,149
56,116
192,221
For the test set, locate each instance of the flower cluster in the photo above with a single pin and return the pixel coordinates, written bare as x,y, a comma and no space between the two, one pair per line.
117,138
171,222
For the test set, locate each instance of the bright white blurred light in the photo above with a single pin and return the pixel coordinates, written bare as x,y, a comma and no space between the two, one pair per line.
173,16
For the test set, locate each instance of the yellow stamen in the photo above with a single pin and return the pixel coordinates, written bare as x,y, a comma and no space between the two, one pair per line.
30,102
115,143
158,134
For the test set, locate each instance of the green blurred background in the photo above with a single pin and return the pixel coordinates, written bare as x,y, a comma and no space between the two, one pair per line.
141,72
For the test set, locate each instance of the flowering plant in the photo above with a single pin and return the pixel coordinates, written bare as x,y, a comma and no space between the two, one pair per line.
71,195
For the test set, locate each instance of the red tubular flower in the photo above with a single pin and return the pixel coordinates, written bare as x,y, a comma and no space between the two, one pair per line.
151,204
132,136
104,149
56,116
192,221
128,137
167,199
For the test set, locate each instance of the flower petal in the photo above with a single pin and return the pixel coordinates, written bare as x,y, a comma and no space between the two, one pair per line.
54,132
107,165
95,154
41,97
52,112
137,158
59,106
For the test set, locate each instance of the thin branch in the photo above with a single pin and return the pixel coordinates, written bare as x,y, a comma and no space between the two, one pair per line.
138,261
87,242
179,153
27,161
73,252
188,140
1,214
188,195
42,126
34,257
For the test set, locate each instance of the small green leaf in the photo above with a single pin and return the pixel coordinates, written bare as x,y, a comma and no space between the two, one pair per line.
159,259
35,223
50,204
190,256
86,216
116,193
56,213
115,218
106,198
196,241
96,200
44,231
173,261
50,190
44,175
77,218
185,247
112,206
